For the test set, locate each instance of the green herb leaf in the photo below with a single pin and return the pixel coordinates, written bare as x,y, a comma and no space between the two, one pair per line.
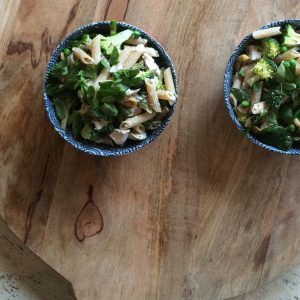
62,108
76,123
113,89
114,57
277,136
241,94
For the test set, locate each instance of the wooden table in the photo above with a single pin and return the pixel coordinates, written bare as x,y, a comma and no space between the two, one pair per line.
201,213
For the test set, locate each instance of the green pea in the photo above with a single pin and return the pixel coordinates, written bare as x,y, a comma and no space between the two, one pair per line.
242,73
67,51
293,63
297,83
283,49
245,103
287,64
291,128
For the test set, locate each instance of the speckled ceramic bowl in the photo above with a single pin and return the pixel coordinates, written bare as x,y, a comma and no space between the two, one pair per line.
228,83
93,148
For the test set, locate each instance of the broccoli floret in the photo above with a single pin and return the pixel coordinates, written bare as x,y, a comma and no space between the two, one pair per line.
108,43
273,98
265,68
290,37
271,47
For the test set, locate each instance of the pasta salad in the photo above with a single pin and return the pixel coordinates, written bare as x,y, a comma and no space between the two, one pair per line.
266,87
108,89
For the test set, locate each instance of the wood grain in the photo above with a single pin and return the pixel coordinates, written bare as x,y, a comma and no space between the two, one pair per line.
199,214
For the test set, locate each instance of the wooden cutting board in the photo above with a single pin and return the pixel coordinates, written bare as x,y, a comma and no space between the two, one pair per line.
201,213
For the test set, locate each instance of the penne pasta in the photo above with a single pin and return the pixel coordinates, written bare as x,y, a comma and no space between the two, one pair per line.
291,54
137,136
168,79
96,49
145,50
130,101
151,85
119,136
83,56
151,64
166,95
264,33
132,59
136,42
123,56
135,111
139,128
134,121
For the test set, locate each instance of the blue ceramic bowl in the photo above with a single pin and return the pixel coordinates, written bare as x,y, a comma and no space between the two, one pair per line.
93,148
229,72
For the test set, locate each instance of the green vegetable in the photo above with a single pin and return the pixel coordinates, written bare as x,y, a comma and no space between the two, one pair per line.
271,47
86,131
112,88
274,98
108,43
242,73
76,124
136,34
83,40
114,57
62,108
67,51
245,103
293,63
290,37
286,114
100,133
277,136
272,118
113,27
265,68
286,64
152,124
109,109
283,49
291,128
289,86
104,64
132,77
241,94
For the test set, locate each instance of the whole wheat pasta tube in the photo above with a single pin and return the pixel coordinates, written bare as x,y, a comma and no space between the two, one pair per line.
264,33
132,122
96,49
83,56
168,79
153,101
167,95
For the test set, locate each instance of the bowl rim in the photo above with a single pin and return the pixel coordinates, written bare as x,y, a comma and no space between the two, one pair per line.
90,147
228,79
